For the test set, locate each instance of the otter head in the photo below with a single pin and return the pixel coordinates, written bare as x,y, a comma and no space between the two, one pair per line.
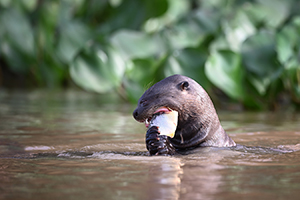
197,118
170,93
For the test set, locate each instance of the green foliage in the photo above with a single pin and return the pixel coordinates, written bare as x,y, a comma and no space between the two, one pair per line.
250,50
223,68
97,70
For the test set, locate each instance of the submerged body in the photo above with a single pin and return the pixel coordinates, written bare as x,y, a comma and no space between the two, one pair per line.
198,122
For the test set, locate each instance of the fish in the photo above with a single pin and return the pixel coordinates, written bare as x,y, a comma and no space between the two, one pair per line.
166,122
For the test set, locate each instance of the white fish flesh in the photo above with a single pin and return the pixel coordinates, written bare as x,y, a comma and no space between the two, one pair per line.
166,122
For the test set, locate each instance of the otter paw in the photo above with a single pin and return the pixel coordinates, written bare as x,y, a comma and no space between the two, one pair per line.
158,144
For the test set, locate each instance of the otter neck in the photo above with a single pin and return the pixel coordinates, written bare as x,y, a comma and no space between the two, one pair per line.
219,139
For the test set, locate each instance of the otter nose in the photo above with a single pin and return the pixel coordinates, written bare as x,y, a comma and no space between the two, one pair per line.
135,114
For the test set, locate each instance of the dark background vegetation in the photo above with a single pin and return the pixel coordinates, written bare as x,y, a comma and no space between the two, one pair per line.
241,51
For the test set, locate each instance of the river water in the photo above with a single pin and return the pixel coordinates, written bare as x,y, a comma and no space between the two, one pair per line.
73,145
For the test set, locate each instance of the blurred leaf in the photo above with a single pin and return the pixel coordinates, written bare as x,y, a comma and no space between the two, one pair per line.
223,68
131,14
215,3
259,57
270,12
254,45
73,36
220,43
50,74
133,90
189,62
94,11
260,83
295,5
176,9
133,44
46,28
274,11
291,78
172,67
288,41
17,61
140,75
48,69
208,21
5,3
191,30
29,4
259,54
237,30
17,30
18,44
141,71
72,33
98,70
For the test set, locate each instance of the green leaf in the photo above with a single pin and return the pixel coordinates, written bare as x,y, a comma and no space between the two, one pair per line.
237,30
5,3
189,62
260,60
272,13
131,14
45,32
288,41
172,67
133,44
50,74
259,54
176,9
291,78
93,11
140,75
220,43
29,5
261,84
133,90
17,30
18,43
191,30
141,71
223,68
73,36
97,70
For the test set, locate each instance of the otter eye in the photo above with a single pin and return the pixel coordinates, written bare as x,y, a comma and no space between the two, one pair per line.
184,85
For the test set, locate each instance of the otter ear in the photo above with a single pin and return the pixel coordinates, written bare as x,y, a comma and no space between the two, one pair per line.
184,85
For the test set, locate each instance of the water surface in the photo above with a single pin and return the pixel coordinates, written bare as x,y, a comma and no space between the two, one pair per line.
73,145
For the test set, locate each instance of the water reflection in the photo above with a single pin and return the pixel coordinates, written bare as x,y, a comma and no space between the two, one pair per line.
73,147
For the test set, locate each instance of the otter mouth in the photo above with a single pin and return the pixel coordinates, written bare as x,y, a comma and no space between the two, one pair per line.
159,111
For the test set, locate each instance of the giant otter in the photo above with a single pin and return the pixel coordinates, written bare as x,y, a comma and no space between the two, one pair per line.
198,122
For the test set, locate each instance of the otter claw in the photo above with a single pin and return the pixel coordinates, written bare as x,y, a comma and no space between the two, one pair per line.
158,144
